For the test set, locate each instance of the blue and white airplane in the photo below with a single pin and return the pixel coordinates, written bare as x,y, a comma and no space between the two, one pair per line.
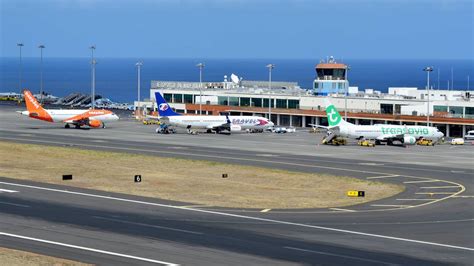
211,123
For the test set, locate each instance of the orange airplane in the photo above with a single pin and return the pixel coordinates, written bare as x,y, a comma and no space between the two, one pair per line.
86,117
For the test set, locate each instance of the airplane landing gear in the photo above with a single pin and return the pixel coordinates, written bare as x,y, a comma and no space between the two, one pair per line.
67,126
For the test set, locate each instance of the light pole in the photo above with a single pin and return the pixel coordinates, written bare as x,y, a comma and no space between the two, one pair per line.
41,46
139,64
21,68
346,92
93,63
270,68
428,70
200,66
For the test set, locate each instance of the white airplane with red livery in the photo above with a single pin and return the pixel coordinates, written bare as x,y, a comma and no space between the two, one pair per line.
211,123
92,118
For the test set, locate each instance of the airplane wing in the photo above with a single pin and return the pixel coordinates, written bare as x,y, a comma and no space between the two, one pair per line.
154,117
85,118
318,126
220,126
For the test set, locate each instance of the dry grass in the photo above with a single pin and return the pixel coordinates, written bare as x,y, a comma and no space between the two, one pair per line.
21,258
193,181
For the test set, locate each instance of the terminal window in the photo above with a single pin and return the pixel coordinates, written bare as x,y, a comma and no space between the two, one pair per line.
281,103
244,101
293,104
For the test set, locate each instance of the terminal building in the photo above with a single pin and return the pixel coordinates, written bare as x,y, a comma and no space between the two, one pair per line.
452,111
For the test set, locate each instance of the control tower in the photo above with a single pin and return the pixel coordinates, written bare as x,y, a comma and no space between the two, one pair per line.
331,78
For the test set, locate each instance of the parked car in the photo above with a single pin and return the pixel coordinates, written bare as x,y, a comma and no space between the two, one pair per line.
291,130
457,141
280,130
469,135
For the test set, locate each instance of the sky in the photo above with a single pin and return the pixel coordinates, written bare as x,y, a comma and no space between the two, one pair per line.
291,29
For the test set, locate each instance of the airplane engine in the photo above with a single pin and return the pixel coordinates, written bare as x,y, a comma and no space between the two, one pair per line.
235,128
95,123
409,140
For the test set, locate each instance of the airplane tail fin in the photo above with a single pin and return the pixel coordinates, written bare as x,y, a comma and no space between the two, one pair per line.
35,110
164,109
32,105
334,118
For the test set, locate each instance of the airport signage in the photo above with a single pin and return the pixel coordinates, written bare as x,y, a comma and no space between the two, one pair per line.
355,193
138,178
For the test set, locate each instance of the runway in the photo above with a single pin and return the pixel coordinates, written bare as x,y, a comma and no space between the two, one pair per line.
414,227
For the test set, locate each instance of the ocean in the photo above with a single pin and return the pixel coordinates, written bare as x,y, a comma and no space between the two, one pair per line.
116,78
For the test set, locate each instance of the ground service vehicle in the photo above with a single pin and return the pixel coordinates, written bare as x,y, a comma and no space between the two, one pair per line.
457,141
425,142
469,135
366,143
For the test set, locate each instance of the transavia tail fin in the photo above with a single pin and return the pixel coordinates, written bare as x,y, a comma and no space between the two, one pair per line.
334,118
164,109
35,110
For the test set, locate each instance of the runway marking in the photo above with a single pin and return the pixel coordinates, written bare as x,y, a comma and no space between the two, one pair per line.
414,199
463,196
7,190
340,256
435,193
442,187
245,217
390,205
422,181
148,225
195,206
88,249
266,155
15,204
265,210
381,176
371,164
344,210
260,160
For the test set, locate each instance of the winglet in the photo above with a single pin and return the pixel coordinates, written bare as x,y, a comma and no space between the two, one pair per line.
164,109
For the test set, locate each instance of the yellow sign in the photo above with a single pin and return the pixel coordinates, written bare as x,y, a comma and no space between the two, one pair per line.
355,193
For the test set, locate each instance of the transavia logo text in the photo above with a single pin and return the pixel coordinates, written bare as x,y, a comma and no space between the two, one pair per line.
405,130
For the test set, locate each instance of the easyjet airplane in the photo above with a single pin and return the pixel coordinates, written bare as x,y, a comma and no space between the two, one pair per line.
85,117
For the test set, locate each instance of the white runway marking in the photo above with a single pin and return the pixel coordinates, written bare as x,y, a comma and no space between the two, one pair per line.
443,187
435,193
265,210
463,196
340,256
343,210
88,249
415,199
7,190
390,205
422,181
149,225
381,176
245,217
14,204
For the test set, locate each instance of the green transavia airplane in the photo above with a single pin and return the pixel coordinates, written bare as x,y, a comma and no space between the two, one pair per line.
407,135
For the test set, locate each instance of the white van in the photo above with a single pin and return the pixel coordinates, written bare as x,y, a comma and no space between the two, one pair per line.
469,135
